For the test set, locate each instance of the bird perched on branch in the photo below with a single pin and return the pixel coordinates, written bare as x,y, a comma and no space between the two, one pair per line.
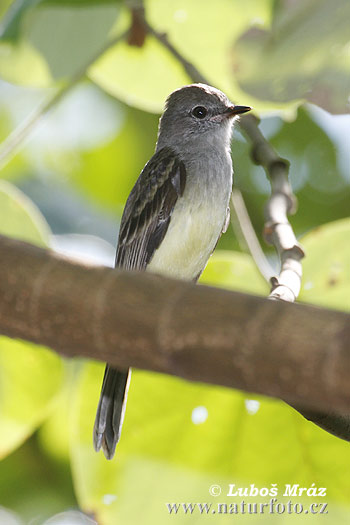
174,215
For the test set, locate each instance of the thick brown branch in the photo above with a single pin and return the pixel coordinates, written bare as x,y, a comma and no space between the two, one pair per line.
296,352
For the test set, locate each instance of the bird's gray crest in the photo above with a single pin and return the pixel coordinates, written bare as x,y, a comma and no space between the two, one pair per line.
196,94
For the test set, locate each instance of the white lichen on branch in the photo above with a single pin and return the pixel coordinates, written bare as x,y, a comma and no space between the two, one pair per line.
278,230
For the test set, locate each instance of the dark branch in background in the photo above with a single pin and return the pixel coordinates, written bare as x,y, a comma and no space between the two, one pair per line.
296,352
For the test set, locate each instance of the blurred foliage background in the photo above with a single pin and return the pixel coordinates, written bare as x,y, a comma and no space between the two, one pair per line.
66,187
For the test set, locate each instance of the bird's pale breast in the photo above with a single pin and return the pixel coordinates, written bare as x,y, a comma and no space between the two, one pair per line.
195,226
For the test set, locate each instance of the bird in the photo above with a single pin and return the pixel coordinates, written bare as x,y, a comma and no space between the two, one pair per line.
174,215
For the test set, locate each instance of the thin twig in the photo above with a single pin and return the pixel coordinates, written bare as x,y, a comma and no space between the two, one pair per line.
190,69
241,214
16,139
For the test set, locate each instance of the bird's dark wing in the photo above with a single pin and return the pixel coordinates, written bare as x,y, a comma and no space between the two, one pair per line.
144,223
148,209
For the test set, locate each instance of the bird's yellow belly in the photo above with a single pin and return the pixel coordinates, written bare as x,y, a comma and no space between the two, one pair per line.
189,242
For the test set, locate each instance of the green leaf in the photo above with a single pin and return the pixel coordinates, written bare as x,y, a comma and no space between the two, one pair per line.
68,37
53,434
30,376
59,38
11,23
11,26
203,34
54,40
179,438
42,487
22,64
234,271
326,276
20,218
305,55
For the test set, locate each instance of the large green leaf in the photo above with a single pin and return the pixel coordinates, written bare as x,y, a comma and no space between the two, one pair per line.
56,39
11,25
11,22
305,55
234,271
202,33
20,218
44,41
69,37
30,376
34,486
179,438
326,270
23,64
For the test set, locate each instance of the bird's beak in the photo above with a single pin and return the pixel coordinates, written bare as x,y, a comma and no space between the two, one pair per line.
231,111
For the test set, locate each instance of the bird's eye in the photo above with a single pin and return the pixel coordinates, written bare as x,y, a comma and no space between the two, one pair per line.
199,112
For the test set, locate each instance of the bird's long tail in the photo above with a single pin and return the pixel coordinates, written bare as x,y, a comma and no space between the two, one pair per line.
110,410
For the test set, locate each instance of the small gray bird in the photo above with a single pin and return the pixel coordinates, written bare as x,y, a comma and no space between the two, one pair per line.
174,215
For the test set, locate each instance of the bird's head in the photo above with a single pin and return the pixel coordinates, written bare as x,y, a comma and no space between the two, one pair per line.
197,112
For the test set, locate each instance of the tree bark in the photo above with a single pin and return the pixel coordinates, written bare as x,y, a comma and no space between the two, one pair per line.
296,352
